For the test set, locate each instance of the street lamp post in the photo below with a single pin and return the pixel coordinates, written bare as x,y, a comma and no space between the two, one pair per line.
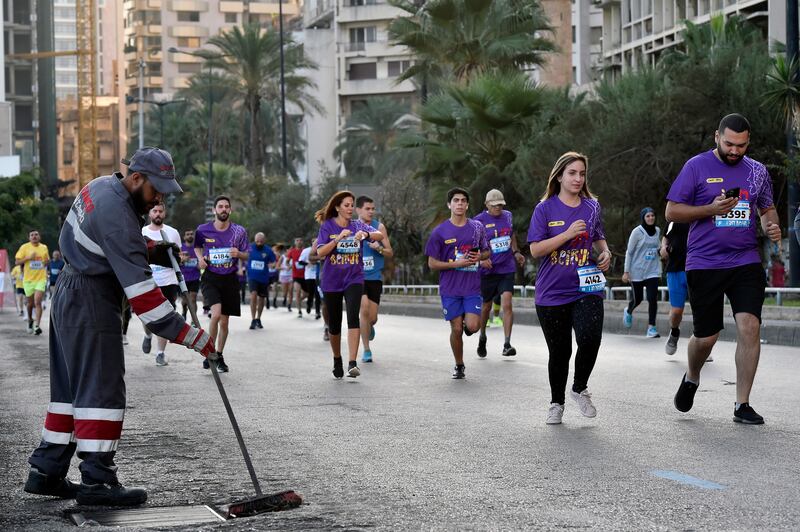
284,156
160,106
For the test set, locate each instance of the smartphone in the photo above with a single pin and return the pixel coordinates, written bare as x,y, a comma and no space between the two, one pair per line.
732,193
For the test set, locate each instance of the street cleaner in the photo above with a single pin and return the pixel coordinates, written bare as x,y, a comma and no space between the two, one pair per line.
107,259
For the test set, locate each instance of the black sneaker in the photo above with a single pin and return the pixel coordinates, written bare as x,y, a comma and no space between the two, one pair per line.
222,367
253,325
745,414
318,316
258,324
482,346
40,484
458,372
37,331
338,370
147,343
352,369
206,364
684,398
110,495
509,351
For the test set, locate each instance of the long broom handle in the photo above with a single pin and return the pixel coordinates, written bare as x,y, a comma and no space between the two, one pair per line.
215,374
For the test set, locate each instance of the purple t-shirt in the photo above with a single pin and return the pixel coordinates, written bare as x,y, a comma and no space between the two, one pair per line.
343,265
190,269
498,233
723,241
448,243
557,280
217,246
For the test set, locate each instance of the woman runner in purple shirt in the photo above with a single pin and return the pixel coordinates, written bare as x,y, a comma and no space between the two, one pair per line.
339,246
565,226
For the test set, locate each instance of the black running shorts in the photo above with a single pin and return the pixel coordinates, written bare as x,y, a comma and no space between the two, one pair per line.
193,286
744,286
221,289
261,289
373,291
171,292
494,285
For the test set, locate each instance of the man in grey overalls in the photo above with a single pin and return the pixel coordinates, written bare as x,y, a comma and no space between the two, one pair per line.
107,259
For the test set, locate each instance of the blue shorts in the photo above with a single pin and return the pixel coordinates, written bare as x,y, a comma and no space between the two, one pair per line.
676,282
455,306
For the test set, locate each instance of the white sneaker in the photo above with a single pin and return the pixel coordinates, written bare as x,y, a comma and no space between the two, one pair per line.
554,414
161,360
124,339
652,332
584,400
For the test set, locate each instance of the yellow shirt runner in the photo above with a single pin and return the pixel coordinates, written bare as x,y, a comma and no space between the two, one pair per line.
35,278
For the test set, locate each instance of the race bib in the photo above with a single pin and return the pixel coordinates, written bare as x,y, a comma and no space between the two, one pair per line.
738,217
591,279
651,254
54,271
348,245
369,263
36,265
257,265
501,244
219,256
473,268
191,263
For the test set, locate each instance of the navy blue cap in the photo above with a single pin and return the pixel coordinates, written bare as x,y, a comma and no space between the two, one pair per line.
157,165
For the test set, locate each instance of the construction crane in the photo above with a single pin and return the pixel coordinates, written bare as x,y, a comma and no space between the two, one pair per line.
86,54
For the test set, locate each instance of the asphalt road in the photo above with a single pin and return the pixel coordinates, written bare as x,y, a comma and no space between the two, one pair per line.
405,447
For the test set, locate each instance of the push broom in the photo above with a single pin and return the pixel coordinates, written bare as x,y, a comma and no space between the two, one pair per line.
274,502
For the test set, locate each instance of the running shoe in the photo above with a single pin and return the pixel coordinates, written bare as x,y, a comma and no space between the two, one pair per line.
161,360
458,372
318,316
338,370
482,346
652,332
672,345
684,398
367,356
147,344
253,325
584,400
289,308
299,313
497,321
125,339
352,370
371,333
509,351
258,324
627,318
30,326
745,414
37,331
554,414
206,364
222,367
326,335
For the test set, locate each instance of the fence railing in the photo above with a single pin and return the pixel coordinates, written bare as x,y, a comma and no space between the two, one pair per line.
529,291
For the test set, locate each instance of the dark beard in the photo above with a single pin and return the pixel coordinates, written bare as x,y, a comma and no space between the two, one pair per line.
139,203
156,221
189,240
222,217
725,159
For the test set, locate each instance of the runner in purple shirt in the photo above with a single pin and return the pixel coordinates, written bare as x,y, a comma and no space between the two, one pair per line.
498,271
190,271
339,244
219,246
454,249
565,227
721,192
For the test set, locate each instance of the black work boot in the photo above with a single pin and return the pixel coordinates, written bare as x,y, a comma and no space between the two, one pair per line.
40,484
110,495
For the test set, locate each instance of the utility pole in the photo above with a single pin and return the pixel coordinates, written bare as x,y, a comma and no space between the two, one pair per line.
792,38
284,156
141,100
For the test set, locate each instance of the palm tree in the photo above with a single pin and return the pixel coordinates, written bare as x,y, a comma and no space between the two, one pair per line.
459,39
783,93
252,65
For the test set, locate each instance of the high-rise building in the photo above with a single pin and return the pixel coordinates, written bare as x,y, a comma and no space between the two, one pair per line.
349,41
19,78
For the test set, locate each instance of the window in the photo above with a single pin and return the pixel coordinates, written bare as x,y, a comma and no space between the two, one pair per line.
189,42
23,117
398,67
64,27
355,105
596,35
22,81
189,68
188,16
365,34
356,3
574,35
22,43
363,71
8,80
231,18
64,13
22,12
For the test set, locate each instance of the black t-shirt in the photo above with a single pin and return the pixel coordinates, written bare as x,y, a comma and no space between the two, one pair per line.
676,235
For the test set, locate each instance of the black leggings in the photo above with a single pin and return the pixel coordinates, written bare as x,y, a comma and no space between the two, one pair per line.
585,316
313,295
352,299
652,297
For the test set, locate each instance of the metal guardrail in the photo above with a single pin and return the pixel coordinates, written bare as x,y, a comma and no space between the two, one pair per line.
529,291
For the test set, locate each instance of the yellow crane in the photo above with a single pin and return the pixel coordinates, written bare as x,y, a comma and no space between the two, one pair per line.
86,54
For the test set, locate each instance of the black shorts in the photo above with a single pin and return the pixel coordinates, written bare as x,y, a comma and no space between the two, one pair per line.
373,291
193,286
21,291
221,289
171,292
301,281
495,284
261,289
744,286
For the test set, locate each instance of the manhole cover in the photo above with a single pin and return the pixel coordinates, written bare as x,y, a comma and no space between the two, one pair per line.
146,517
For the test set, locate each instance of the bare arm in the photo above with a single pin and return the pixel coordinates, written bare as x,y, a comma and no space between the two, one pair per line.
438,265
387,250
769,223
681,212
545,247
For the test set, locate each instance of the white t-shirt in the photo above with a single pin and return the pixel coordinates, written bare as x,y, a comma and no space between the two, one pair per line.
310,271
161,275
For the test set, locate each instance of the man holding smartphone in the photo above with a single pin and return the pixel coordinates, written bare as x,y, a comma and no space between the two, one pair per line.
454,249
721,193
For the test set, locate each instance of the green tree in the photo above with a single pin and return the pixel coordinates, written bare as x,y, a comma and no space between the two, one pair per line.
22,209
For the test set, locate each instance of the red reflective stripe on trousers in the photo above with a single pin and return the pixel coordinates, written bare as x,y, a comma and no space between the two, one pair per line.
147,301
58,422
97,429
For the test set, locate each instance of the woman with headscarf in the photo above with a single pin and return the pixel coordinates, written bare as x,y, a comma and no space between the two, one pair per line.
643,269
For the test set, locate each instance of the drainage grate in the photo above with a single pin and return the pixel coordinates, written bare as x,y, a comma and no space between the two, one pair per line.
147,517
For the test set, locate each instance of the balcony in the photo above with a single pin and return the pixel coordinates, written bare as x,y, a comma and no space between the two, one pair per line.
143,30
179,82
184,58
370,49
141,5
149,81
319,14
271,8
372,10
359,87
231,7
188,31
187,5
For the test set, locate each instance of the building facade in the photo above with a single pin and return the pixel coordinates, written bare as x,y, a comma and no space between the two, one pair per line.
20,75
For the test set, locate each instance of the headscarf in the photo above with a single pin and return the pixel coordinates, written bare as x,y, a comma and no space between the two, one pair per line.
649,229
